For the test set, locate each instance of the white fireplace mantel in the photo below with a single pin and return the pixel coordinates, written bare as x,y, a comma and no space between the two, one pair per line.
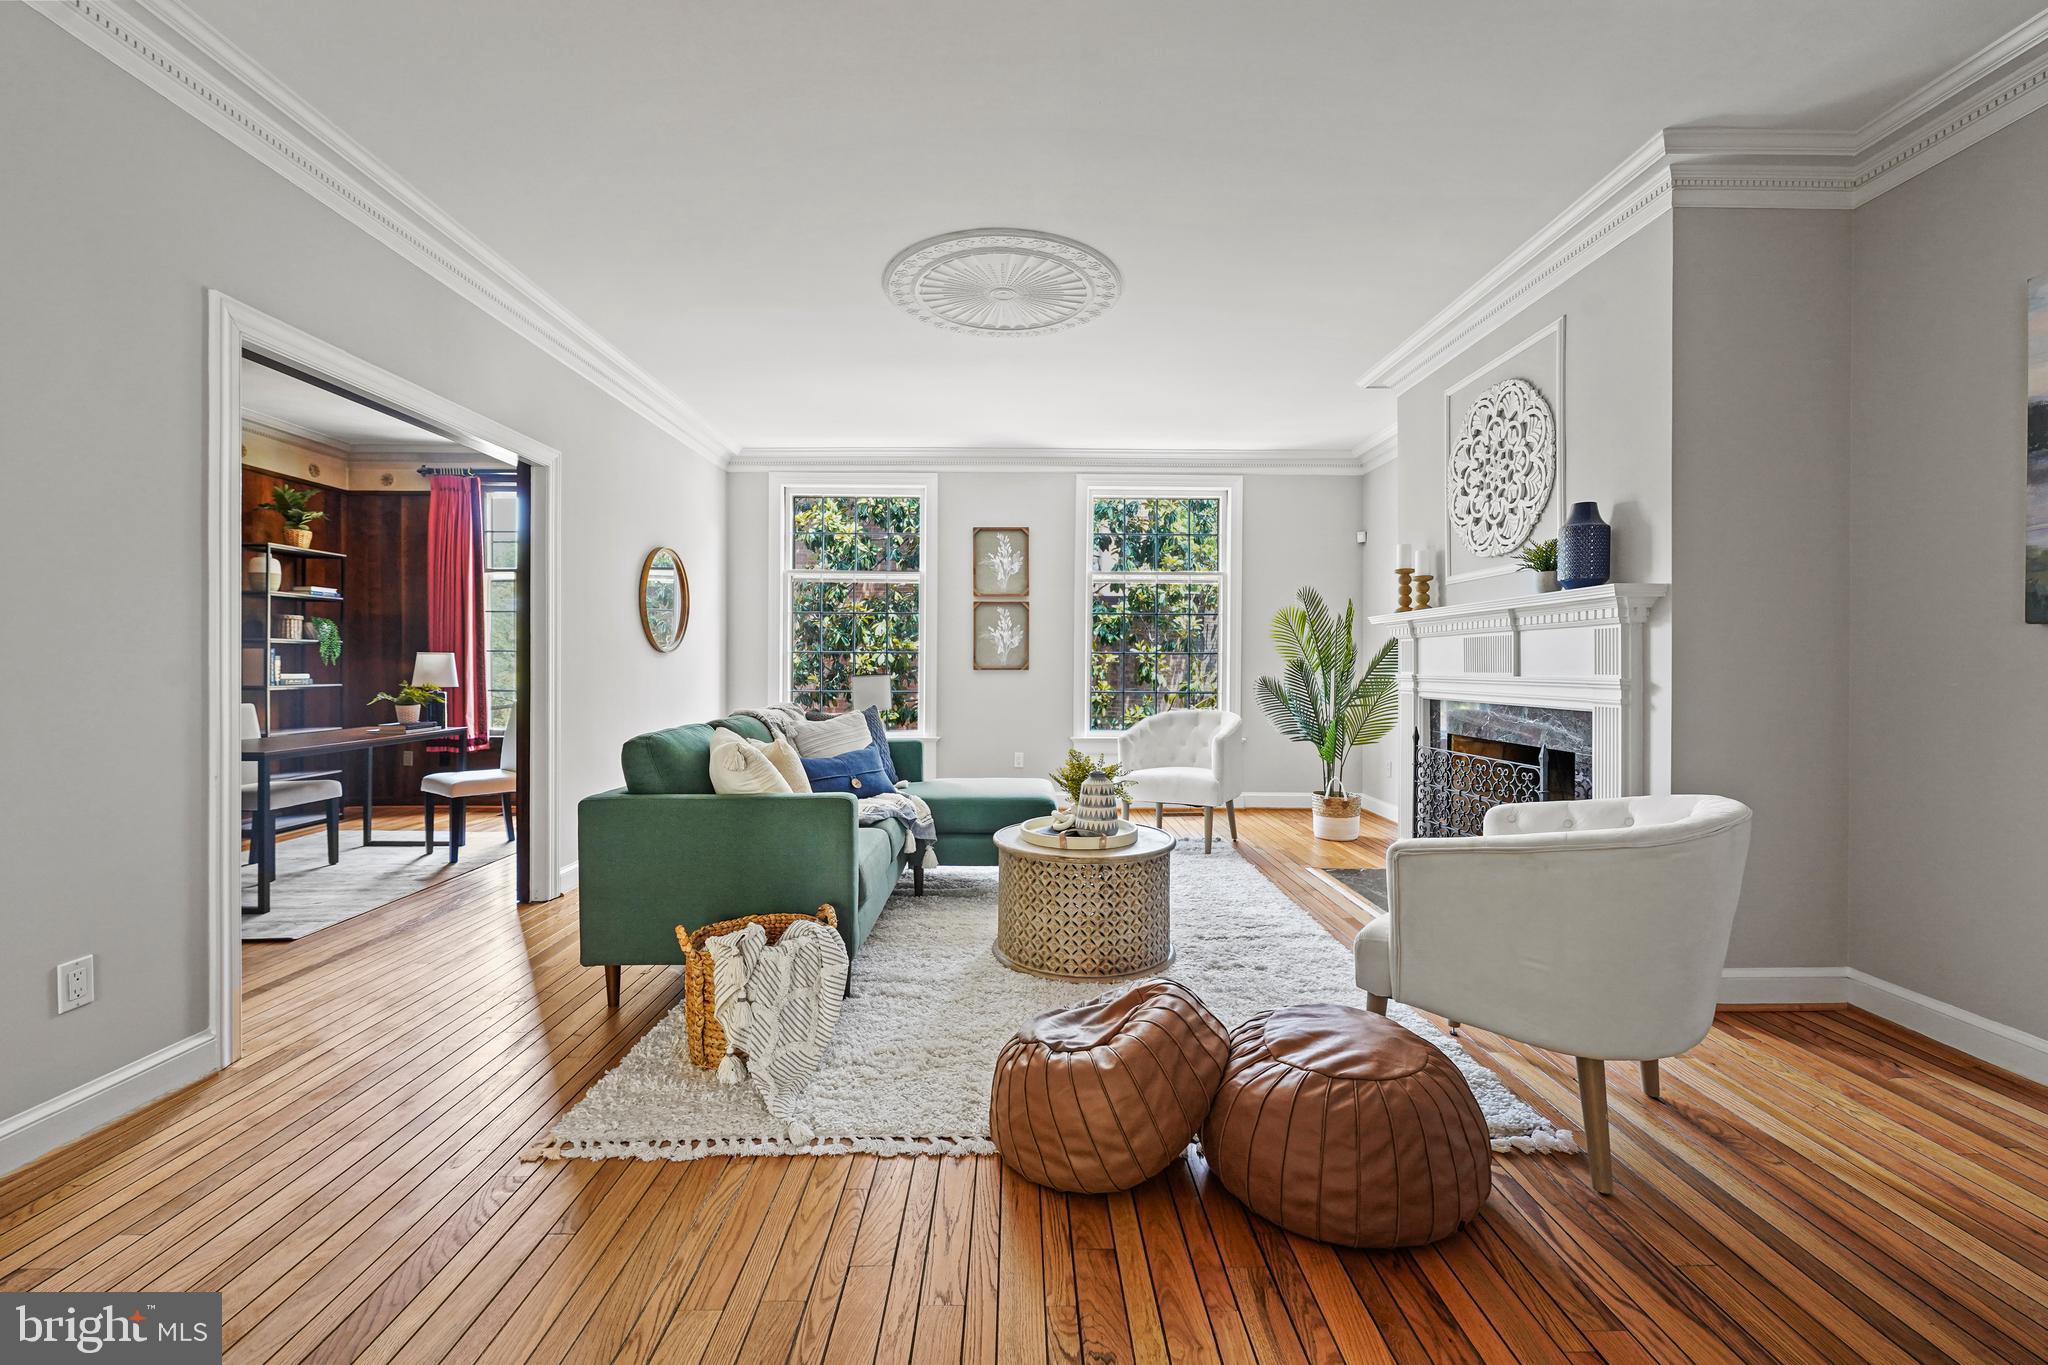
1581,650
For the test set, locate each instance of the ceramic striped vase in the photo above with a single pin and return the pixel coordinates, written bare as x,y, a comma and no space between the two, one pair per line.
1095,812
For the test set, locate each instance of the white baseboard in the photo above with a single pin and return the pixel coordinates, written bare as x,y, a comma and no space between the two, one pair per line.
1784,985
97,1103
571,874
1386,810
1987,1040
1300,801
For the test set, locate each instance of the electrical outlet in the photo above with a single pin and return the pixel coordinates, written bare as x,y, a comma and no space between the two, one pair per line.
1390,767
74,983
1017,759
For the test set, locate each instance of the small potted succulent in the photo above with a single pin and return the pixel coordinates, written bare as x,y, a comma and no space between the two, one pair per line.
1539,565
290,504
409,700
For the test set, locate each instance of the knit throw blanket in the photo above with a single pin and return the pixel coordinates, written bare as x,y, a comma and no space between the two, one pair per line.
778,1004
909,811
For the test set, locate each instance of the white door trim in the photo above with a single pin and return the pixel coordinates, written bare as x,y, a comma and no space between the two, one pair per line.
232,327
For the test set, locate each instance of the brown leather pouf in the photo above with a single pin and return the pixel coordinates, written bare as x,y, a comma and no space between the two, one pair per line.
1104,1095
1343,1126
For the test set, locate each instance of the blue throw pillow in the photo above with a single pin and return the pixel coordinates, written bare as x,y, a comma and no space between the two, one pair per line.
874,720
858,772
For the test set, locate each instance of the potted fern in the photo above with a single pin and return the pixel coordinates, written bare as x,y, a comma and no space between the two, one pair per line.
1322,700
290,504
1539,565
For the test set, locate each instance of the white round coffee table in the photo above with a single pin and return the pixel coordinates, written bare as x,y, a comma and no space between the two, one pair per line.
1094,916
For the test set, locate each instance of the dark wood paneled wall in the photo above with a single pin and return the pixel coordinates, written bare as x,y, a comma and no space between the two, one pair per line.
384,624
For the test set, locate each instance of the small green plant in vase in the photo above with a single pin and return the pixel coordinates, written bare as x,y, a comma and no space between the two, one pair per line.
1539,565
409,700
291,506
1069,776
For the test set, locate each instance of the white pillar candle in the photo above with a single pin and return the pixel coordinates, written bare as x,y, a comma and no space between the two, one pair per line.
1404,557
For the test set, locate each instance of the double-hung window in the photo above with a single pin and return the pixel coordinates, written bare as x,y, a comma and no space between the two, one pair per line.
1158,600
501,602
855,599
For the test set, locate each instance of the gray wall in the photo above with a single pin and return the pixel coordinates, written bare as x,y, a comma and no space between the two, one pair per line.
1381,489
1297,529
1948,761
121,211
1617,425
1760,540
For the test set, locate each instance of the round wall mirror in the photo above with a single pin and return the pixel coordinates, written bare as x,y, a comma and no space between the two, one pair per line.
664,599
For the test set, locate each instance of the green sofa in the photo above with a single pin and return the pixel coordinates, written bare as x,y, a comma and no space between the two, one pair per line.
666,850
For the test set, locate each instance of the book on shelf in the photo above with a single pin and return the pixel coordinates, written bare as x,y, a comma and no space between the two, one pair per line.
315,590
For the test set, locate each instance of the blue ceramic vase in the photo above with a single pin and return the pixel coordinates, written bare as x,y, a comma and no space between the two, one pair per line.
1582,548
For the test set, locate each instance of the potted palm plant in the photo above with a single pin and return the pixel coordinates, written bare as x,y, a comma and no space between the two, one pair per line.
290,505
1323,700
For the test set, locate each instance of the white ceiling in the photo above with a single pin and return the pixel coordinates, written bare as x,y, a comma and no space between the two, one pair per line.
1289,190
309,410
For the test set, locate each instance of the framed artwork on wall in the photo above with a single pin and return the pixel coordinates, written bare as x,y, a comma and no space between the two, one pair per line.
1002,636
1518,393
2036,567
1002,561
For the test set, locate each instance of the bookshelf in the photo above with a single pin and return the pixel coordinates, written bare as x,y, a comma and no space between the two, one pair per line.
280,581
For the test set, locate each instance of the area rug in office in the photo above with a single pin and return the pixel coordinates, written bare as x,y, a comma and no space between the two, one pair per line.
908,1070
309,894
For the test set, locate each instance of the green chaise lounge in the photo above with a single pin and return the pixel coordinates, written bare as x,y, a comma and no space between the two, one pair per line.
666,850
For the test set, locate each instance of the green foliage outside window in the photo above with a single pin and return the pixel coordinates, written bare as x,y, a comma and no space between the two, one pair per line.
1155,645
842,628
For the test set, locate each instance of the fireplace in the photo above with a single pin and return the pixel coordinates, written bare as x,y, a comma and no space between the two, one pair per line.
1472,756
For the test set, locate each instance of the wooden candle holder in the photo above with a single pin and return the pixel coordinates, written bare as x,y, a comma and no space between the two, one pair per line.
1407,577
1422,581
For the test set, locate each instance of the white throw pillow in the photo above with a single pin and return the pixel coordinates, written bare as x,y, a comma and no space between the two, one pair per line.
831,738
739,768
787,761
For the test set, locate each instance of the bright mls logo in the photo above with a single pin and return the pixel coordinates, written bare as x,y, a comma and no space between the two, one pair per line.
168,1328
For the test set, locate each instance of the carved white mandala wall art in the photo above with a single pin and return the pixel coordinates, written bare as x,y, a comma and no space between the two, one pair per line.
1002,282
1503,464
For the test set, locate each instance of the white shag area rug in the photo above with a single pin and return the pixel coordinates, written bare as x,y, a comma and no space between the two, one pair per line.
910,1067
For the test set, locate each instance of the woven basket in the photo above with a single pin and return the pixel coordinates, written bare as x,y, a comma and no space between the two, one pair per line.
700,1000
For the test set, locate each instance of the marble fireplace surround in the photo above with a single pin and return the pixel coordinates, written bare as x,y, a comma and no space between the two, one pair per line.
1581,650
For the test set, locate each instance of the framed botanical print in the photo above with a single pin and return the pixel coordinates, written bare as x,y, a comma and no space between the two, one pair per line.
1002,561
1002,635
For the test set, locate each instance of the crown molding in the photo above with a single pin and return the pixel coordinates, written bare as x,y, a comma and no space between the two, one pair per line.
1038,460
1626,200
179,55
278,429
1722,167
1378,450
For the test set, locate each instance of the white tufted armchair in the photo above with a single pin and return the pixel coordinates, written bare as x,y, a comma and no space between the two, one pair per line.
1594,928
1184,758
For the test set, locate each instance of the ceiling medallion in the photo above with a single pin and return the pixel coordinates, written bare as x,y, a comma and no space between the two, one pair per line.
1002,282
1501,469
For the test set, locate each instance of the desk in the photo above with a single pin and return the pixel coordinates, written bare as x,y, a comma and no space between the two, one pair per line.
319,743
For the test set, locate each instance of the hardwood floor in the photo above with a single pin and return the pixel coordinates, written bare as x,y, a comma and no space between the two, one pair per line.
1816,1186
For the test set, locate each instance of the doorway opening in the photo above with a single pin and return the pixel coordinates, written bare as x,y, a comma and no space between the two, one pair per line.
383,575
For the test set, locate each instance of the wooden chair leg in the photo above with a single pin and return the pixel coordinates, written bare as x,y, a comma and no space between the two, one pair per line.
611,984
505,803
1208,827
334,831
1593,1111
427,807
458,821
1453,1023
268,871
1230,809
1159,815
1376,1003
1653,1084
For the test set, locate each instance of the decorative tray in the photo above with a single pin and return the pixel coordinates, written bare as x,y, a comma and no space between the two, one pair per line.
1036,831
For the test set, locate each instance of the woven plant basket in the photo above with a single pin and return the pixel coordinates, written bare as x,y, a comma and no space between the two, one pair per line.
700,999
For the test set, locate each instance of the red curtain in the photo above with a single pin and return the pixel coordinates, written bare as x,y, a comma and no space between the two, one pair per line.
455,598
